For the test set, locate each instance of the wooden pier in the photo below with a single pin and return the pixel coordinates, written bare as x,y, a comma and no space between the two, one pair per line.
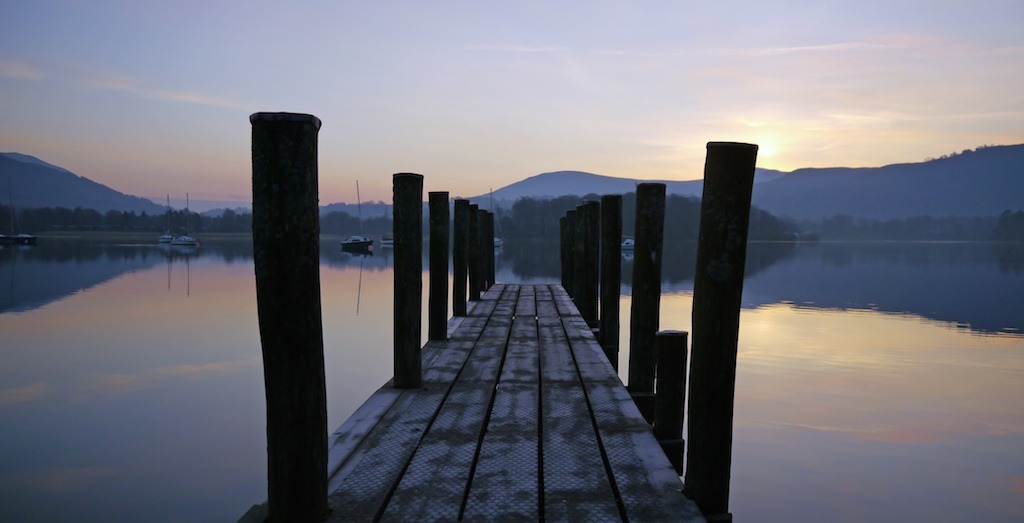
515,413
520,417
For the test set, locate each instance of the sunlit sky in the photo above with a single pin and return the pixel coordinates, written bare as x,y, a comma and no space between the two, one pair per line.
153,98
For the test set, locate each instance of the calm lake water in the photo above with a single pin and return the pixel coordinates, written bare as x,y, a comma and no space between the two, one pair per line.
876,382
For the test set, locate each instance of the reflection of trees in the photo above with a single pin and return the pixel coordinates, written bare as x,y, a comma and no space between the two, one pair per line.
541,259
1009,257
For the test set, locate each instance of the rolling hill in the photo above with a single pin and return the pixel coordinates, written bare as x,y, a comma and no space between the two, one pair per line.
35,183
982,182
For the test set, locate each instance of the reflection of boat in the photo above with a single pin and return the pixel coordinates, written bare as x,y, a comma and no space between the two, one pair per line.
628,244
167,237
185,239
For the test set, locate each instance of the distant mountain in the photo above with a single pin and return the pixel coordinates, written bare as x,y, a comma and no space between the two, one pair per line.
578,183
982,182
35,183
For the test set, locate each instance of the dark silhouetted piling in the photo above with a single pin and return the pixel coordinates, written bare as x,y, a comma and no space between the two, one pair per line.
643,322
611,275
592,262
568,253
460,253
579,235
489,251
437,300
473,249
408,231
286,255
717,293
670,347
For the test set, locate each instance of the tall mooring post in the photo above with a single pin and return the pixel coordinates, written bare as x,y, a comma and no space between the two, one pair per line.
489,249
460,253
437,300
611,275
717,293
474,250
591,263
408,231
643,321
568,242
286,255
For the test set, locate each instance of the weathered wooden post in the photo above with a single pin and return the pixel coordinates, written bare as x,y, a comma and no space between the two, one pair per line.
643,321
473,249
286,255
671,395
611,274
460,252
592,261
717,294
408,231
489,250
568,253
437,300
579,261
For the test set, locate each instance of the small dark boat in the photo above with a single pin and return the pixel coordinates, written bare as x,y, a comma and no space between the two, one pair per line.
357,243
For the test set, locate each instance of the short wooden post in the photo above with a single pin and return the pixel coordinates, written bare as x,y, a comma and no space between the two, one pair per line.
460,252
489,250
286,255
611,275
473,249
568,241
717,294
437,300
643,322
671,395
408,231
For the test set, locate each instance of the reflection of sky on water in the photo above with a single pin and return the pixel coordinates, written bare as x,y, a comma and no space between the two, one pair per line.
142,393
853,415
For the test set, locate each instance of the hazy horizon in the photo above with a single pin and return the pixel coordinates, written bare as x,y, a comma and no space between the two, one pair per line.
155,99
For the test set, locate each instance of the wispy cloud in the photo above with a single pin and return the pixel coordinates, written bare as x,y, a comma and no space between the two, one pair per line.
24,394
518,48
120,83
15,69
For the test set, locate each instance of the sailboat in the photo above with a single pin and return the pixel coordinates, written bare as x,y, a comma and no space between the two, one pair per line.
357,242
185,239
167,237
15,238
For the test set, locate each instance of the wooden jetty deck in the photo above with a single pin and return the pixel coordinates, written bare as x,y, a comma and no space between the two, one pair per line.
520,417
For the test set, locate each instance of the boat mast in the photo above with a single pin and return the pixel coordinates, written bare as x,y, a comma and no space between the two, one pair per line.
359,208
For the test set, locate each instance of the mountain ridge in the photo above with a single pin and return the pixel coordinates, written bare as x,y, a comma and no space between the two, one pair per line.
973,183
36,183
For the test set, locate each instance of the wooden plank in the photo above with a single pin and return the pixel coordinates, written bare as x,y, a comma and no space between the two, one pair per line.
432,487
366,479
505,485
646,481
576,486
